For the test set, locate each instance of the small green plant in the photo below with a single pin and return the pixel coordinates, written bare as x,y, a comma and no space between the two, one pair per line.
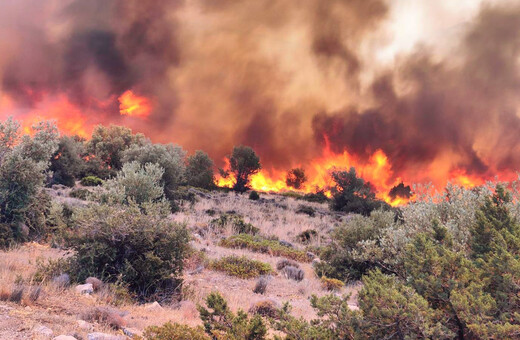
79,193
91,181
170,331
331,284
241,267
262,245
254,196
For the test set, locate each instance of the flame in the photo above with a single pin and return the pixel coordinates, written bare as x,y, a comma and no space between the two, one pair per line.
133,105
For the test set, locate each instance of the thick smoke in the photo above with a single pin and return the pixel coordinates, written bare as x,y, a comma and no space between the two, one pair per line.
281,76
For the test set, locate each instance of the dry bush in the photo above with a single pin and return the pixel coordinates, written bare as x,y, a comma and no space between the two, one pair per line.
265,308
331,284
285,263
261,285
104,316
293,273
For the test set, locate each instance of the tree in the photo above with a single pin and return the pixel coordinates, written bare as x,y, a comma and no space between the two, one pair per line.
170,157
243,162
199,170
295,178
66,162
108,144
352,194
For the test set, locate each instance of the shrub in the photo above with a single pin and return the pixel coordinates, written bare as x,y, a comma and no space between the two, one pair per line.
170,331
262,245
220,323
293,273
134,245
305,209
199,171
307,235
285,263
91,181
254,196
261,285
236,222
316,197
265,308
105,316
331,284
66,163
241,267
79,193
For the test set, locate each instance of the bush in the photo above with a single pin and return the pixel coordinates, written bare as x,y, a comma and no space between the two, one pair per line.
91,181
199,171
295,178
293,273
79,193
305,209
137,246
170,331
254,196
285,263
236,222
261,285
262,245
221,323
244,163
265,308
241,267
66,163
307,235
316,197
331,284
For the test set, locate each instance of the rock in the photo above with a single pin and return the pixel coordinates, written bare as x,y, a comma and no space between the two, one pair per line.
310,255
64,337
82,324
153,306
315,262
95,282
197,270
132,332
84,289
44,331
104,336
62,280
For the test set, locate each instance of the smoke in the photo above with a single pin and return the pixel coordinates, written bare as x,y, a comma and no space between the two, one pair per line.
284,77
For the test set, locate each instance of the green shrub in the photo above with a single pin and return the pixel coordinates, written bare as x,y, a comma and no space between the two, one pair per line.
236,222
134,245
199,170
331,284
262,245
91,181
170,331
221,323
241,267
254,196
316,197
307,235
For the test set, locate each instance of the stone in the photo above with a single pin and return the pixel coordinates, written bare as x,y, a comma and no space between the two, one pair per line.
310,255
82,324
64,337
104,336
44,331
153,306
95,282
132,332
84,289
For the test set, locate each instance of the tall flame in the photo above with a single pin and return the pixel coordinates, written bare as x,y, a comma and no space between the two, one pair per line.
133,105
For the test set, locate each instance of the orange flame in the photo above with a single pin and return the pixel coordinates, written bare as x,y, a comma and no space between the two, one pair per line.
133,105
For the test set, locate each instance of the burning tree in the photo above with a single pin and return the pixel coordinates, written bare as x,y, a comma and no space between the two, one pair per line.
295,178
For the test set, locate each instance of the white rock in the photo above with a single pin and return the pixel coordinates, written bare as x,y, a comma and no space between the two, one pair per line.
64,337
85,289
44,331
153,306
85,325
132,332
104,336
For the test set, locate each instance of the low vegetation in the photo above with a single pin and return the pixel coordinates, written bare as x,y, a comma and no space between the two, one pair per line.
241,267
262,245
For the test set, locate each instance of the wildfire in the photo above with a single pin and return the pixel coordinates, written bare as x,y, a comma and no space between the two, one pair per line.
133,105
